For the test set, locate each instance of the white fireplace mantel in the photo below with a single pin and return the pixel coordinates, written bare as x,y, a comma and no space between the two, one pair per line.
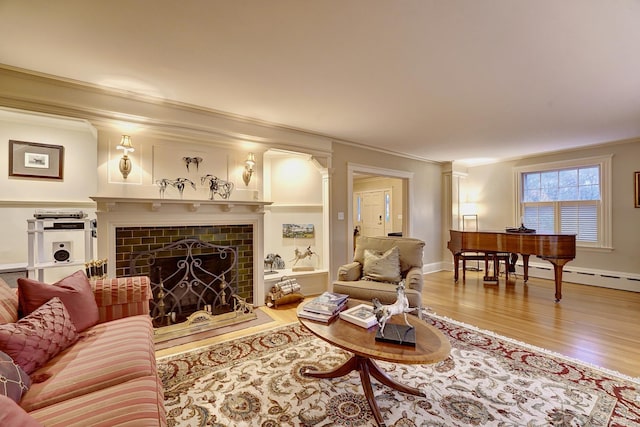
114,212
115,204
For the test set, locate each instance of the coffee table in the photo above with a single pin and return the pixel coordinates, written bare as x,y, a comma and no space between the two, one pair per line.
431,347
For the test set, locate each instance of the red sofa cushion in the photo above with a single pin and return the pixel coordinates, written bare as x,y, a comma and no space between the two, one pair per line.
74,291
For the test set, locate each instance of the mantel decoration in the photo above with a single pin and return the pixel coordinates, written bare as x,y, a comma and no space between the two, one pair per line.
192,160
217,186
178,183
35,160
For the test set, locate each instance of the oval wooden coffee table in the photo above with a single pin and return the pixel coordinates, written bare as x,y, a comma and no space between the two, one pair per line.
431,347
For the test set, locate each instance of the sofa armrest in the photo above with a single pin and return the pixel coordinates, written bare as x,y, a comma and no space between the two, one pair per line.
122,297
350,272
414,279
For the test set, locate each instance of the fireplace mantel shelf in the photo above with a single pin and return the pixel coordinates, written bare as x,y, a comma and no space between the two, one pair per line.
109,204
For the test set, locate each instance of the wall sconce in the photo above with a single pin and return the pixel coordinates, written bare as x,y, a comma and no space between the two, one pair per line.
125,162
248,168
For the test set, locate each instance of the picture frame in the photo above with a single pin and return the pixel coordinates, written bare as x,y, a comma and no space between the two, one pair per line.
36,160
636,180
361,315
298,231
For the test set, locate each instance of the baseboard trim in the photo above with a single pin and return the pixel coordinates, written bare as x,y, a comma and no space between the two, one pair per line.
584,276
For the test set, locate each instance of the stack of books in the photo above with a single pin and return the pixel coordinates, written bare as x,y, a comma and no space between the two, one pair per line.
324,308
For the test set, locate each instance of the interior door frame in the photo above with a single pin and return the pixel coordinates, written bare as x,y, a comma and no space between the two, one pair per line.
407,199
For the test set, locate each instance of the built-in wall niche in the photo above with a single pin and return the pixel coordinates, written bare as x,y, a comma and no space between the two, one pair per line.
294,185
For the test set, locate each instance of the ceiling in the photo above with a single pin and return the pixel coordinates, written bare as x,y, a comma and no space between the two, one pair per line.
436,79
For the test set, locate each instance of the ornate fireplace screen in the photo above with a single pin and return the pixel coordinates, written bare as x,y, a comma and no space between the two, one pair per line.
194,283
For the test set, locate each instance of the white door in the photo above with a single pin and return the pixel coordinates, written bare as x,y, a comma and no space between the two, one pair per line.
373,218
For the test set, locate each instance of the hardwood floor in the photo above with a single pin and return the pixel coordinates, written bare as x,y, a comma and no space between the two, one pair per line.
596,325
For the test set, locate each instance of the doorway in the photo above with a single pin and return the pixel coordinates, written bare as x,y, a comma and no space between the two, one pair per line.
380,202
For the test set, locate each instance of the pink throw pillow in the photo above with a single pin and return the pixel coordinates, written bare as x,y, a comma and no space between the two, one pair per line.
74,291
33,340
13,415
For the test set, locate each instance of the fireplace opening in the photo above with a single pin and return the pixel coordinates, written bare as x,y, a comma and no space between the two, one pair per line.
188,276
201,281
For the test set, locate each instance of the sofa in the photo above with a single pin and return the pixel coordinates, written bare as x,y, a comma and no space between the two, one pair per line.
379,264
94,364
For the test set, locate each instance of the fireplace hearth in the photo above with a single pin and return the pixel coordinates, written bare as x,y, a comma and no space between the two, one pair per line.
194,284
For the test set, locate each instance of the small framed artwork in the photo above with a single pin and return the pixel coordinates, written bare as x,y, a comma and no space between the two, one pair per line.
34,160
636,180
300,231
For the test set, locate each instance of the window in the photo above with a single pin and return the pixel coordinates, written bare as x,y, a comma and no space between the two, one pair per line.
387,206
568,197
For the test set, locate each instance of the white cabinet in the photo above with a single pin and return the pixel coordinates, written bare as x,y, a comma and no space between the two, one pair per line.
58,249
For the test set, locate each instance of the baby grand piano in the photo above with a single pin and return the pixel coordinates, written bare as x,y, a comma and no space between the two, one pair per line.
558,249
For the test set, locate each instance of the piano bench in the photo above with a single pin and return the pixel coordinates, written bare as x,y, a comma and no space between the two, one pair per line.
497,257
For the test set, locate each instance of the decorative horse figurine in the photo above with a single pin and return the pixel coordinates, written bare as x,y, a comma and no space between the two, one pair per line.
272,260
195,160
384,312
217,186
302,255
178,183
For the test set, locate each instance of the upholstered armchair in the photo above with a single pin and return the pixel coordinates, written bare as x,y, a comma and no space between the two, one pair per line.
379,263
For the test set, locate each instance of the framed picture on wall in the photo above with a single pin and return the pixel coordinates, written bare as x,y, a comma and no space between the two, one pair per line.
636,180
35,160
300,231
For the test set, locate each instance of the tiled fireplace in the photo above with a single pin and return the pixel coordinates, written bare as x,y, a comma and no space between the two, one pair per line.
127,225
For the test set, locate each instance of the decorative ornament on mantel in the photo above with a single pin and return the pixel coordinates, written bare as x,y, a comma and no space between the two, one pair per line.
178,183
217,186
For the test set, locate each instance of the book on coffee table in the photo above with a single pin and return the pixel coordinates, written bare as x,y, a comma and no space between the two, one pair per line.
361,315
324,318
328,303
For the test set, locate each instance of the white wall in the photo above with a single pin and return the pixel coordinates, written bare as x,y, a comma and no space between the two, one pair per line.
20,197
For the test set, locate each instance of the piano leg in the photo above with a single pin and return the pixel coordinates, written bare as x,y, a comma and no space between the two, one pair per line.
525,263
456,262
558,265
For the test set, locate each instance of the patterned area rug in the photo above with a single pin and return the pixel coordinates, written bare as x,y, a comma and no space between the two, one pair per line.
487,381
